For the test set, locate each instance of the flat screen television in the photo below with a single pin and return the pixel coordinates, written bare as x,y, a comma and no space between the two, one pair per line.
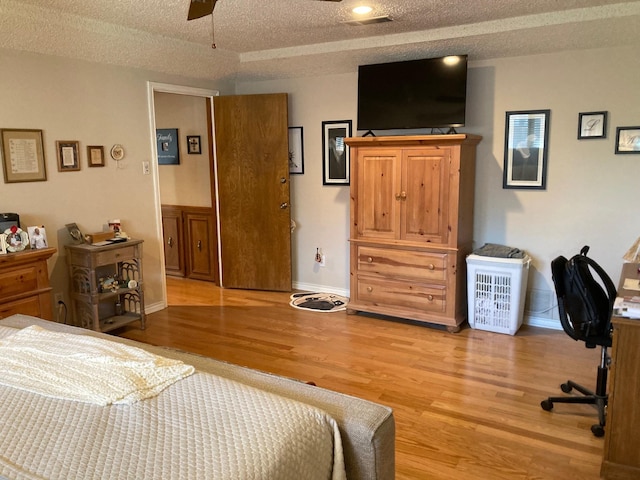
428,93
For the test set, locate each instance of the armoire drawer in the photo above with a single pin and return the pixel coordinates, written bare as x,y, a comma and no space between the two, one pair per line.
382,291
426,266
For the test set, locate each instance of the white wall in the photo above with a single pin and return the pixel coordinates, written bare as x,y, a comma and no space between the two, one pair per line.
188,183
590,196
321,212
97,105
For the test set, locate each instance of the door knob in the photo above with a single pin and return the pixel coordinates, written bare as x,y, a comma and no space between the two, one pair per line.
170,242
283,205
199,245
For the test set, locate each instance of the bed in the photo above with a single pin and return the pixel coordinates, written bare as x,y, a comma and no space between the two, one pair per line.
215,420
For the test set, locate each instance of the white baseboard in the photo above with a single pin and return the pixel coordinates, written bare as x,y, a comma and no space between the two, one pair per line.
542,322
309,287
155,307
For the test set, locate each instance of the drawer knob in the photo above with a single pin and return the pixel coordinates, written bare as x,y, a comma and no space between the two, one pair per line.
369,289
430,298
369,260
432,266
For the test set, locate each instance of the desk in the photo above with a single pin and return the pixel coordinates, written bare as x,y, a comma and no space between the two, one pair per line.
622,433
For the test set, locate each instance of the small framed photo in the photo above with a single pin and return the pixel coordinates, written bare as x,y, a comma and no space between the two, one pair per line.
22,155
335,153
525,149
68,152
168,148
627,140
95,155
296,151
193,145
74,232
592,125
37,237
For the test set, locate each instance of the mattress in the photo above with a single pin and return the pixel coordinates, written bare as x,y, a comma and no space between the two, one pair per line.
202,427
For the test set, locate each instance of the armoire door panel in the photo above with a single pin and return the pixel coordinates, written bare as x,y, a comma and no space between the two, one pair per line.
425,205
379,187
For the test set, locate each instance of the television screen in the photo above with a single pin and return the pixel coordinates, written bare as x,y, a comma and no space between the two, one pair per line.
429,93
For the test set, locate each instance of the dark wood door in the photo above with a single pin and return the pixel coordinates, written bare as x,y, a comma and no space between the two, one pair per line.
199,231
253,188
173,241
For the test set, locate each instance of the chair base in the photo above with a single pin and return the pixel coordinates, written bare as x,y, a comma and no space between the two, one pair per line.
599,398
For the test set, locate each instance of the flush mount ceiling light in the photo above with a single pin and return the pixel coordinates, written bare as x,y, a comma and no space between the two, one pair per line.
451,60
362,10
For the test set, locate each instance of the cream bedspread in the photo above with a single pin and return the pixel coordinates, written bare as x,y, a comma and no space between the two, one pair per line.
202,427
83,368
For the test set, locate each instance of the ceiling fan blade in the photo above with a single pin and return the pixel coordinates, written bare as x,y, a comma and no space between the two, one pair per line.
200,8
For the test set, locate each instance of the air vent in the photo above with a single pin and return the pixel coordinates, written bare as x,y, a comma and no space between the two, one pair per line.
369,21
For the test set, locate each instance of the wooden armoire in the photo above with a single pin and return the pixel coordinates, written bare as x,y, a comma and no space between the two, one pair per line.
412,225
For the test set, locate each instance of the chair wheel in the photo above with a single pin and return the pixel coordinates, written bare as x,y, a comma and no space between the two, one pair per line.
546,405
566,388
597,430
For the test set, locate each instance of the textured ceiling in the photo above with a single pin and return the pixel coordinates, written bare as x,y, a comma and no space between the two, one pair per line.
281,38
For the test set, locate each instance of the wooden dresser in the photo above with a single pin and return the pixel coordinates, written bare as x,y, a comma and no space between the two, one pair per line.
622,432
412,225
24,283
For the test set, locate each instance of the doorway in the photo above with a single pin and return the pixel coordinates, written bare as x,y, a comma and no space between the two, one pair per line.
160,88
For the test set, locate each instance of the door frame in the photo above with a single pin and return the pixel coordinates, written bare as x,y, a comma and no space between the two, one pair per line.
152,88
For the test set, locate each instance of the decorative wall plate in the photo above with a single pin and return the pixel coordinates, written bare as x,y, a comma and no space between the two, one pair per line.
117,152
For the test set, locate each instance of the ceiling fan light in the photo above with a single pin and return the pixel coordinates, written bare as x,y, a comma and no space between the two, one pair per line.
362,10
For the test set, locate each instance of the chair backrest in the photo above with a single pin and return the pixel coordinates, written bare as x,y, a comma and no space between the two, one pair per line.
585,307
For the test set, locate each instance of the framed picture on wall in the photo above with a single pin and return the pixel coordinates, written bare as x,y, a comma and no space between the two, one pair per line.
628,140
525,149
68,152
22,155
296,151
335,153
193,145
95,155
592,125
168,146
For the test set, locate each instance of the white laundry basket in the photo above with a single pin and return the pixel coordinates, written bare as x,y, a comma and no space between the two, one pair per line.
496,288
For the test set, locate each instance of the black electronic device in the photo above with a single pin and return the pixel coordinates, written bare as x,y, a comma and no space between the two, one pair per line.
428,93
8,220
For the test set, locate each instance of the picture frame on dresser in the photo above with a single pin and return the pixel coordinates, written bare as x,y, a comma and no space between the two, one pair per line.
525,149
336,162
68,152
22,155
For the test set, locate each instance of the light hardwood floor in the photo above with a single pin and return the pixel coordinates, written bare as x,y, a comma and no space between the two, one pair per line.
466,405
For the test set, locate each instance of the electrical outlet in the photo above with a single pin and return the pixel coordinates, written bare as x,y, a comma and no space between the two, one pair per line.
145,168
58,298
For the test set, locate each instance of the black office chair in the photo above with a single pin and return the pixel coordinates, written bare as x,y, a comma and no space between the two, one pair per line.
585,309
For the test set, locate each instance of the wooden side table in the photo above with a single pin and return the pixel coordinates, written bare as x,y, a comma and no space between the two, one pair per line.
106,285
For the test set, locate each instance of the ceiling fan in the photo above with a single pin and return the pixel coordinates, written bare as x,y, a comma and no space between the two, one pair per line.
202,8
